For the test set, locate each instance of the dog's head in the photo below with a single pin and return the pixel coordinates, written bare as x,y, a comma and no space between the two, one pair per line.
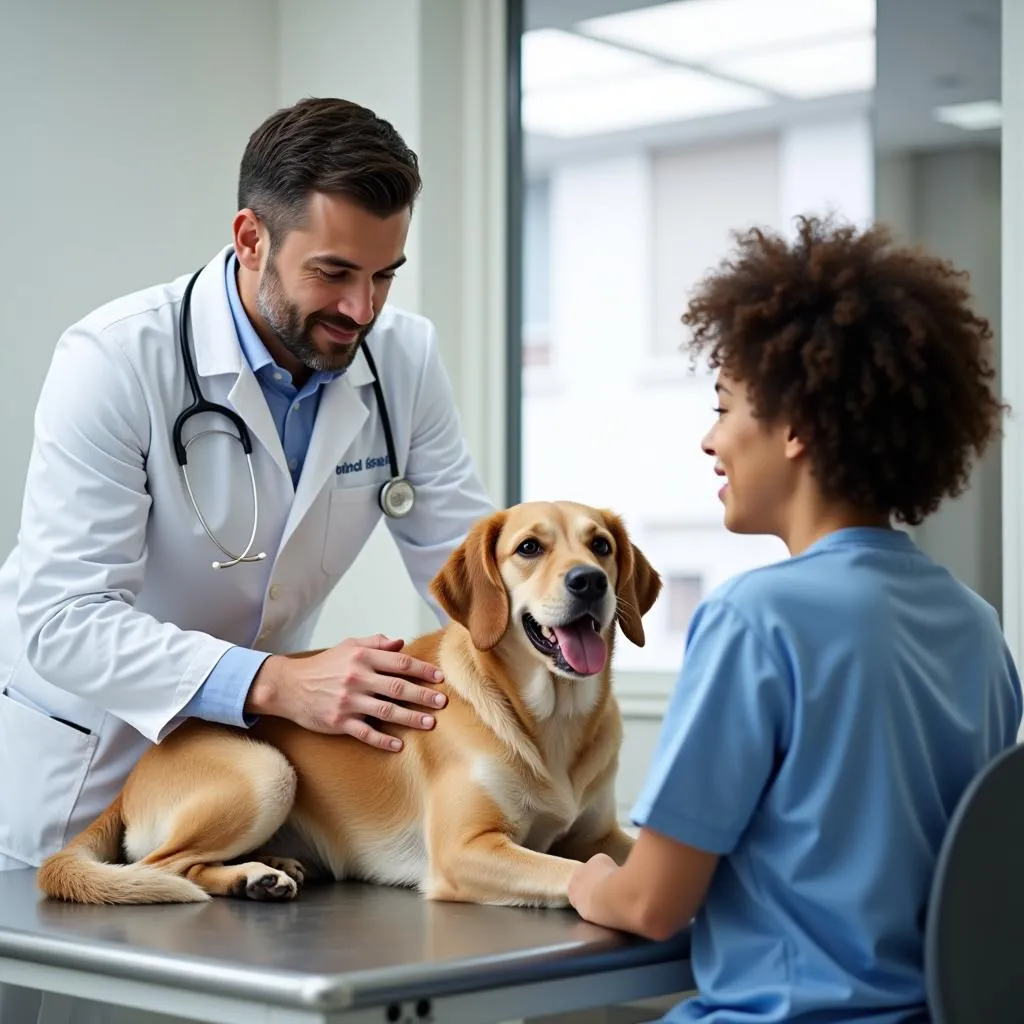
552,577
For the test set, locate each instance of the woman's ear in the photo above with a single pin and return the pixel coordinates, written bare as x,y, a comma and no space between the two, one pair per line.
638,584
469,587
795,447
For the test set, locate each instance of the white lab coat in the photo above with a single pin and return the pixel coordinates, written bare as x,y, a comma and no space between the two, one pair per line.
111,616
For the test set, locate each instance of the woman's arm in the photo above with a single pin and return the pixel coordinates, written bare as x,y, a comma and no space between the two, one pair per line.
656,893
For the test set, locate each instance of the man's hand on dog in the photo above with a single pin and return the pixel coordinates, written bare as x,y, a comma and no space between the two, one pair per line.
336,690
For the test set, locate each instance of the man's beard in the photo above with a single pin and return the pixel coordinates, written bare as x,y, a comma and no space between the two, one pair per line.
295,334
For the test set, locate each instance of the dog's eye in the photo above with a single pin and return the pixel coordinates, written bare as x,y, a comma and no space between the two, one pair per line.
529,548
601,547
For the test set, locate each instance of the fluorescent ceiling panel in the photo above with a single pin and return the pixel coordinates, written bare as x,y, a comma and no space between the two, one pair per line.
806,72
552,59
699,30
972,117
634,101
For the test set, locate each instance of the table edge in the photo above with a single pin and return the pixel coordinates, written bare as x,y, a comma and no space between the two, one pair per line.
336,991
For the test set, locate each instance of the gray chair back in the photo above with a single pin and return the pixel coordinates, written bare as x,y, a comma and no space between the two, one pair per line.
974,932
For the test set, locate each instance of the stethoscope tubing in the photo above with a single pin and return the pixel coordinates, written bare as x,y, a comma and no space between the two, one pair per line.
396,497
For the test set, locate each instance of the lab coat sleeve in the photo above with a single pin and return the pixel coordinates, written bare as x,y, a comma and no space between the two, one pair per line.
222,697
450,495
82,546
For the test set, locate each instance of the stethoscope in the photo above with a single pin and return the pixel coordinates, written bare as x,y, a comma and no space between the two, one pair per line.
396,496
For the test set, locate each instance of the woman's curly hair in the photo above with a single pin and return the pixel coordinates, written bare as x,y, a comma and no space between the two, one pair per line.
871,352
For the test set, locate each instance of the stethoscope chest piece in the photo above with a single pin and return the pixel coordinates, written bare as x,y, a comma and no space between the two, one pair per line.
397,498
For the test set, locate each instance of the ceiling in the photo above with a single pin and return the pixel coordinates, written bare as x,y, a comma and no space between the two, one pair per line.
928,53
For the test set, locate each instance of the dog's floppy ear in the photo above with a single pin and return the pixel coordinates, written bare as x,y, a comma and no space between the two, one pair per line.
469,587
638,585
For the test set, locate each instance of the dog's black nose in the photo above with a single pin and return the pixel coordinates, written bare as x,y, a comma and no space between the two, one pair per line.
586,582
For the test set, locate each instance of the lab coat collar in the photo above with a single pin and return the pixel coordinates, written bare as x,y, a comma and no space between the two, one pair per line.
214,340
342,409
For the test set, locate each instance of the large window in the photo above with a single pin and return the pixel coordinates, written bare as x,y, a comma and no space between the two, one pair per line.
650,134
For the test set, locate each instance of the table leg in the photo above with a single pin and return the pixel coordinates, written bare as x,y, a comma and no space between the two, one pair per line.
55,1008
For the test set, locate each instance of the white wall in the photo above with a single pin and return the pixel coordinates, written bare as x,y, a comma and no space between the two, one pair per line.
958,216
827,167
124,125
442,87
122,128
701,195
325,50
950,201
1012,305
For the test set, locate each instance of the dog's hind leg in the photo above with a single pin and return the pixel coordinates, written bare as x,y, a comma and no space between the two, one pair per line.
196,806
251,879
289,851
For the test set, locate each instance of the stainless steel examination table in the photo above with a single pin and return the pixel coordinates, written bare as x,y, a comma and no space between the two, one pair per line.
345,953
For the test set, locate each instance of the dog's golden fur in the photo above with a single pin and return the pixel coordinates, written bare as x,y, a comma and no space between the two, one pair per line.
496,804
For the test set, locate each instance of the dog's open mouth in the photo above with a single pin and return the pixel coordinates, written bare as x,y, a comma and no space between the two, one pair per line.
576,647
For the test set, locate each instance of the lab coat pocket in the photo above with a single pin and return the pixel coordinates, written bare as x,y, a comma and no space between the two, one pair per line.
44,764
351,517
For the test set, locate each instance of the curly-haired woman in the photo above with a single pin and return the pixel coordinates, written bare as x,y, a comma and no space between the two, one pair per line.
833,707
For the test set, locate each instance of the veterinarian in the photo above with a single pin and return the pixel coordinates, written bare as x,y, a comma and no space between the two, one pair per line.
117,623
833,707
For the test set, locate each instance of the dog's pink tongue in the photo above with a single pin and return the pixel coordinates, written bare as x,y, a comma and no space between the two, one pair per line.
582,648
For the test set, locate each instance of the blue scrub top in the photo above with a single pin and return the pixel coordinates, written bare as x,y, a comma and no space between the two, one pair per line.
830,712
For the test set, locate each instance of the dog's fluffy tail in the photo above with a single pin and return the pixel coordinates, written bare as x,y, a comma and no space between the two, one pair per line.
84,872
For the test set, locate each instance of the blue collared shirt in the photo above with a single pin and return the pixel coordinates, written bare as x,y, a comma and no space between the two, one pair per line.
294,409
222,697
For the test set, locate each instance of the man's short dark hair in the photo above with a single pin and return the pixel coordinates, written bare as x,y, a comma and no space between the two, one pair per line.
325,145
871,351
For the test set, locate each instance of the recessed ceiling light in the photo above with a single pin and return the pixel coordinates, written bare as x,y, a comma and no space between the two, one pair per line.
552,58
809,71
632,101
696,30
971,117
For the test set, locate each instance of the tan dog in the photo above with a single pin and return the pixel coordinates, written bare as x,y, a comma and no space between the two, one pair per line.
496,804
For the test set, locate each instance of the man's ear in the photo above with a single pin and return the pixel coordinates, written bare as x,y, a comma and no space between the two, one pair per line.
469,587
638,584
